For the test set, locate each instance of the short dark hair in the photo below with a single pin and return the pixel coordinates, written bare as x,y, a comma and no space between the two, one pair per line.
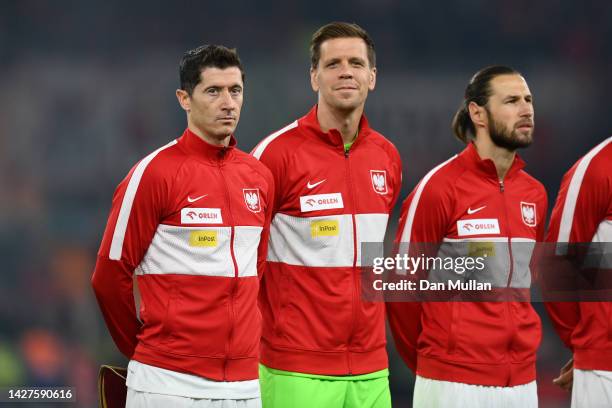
206,56
339,30
478,91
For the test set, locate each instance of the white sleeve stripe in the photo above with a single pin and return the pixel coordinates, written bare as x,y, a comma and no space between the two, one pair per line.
567,216
407,231
116,247
259,149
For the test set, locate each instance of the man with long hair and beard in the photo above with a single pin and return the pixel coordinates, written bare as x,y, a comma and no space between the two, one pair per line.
477,353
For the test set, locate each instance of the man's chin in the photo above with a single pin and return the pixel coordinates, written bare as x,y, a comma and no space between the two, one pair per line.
224,132
348,104
524,139
219,136
513,143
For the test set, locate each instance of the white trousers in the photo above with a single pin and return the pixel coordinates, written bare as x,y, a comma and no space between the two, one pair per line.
430,393
138,399
592,389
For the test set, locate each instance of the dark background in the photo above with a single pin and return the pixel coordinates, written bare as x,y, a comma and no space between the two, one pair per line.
87,89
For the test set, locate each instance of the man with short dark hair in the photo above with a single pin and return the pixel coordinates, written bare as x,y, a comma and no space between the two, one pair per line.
191,220
478,203
581,228
337,181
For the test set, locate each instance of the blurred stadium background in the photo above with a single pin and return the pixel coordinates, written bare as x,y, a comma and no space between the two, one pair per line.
87,89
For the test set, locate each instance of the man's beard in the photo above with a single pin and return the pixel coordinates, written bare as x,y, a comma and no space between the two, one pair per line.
505,138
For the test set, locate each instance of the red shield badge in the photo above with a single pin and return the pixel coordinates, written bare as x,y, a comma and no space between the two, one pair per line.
252,199
528,213
379,181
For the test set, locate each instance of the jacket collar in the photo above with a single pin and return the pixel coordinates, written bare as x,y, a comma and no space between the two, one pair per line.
197,146
485,167
333,137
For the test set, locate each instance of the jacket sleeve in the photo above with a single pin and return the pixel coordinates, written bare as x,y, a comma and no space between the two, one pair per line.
262,250
424,219
396,177
133,220
275,162
579,213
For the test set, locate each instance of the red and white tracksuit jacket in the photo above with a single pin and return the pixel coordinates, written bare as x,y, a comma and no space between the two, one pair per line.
583,213
327,203
192,221
484,343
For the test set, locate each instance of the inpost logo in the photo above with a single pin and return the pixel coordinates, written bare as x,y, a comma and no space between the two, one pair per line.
203,238
324,228
481,249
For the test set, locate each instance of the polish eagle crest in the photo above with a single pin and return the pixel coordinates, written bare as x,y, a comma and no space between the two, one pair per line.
379,181
252,199
528,212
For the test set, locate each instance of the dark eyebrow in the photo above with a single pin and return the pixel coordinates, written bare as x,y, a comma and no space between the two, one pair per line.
220,87
331,61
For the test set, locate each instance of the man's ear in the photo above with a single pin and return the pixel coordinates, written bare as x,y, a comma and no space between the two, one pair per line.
183,99
314,82
372,83
478,115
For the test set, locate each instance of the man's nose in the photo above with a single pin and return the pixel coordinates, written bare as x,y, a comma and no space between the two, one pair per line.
227,102
526,109
346,71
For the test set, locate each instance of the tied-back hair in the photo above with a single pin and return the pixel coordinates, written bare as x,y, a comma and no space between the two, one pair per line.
477,91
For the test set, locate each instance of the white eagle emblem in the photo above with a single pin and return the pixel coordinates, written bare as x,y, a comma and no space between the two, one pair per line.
379,181
528,212
251,199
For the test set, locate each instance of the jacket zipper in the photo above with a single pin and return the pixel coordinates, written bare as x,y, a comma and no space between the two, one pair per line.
507,301
354,288
502,189
235,280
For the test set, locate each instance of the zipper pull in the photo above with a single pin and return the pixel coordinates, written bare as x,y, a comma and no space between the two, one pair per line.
501,186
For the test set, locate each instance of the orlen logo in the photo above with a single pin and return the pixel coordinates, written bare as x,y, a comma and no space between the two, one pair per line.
321,202
201,216
478,227
469,226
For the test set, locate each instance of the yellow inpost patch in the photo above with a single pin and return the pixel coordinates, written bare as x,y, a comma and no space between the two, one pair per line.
203,238
481,249
324,228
